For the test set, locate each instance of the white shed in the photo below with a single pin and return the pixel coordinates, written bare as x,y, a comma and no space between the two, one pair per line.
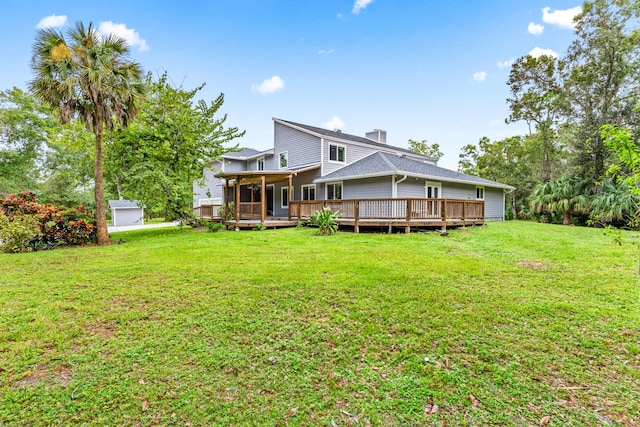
126,212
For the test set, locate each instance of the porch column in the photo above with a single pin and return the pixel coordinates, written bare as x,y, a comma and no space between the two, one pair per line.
263,199
237,201
226,202
290,197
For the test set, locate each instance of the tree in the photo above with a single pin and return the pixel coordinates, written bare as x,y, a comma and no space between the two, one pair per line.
537,98
423,147
601,78
25,126
565,196
88,76
159,157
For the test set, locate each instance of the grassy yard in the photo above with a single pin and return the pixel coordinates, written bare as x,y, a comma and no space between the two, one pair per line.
507,324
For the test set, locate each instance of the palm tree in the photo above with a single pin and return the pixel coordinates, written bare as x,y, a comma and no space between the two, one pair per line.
88,76
615,202
564,195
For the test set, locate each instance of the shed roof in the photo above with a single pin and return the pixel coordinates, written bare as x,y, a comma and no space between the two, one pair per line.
124,204
383,164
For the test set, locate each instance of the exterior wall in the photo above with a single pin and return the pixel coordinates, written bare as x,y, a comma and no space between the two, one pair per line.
233,165
411,188
452,190
353,153
269,164
493,204
302,149
211,185
298,181
121,217
369,188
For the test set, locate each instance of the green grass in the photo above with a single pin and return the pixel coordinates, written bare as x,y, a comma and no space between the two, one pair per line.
498,325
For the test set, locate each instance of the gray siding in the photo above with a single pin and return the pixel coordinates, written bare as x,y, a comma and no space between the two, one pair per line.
453,190
211,185
233,165
369,188
493,204
353,153
129,216
302,149
298,181
411,188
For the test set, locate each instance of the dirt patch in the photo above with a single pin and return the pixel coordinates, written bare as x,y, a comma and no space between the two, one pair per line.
102,329
59,376
535,265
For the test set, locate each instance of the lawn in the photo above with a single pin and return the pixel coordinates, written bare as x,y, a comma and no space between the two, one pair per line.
509,324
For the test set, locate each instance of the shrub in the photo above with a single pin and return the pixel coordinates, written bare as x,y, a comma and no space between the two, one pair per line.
58,225
211,225
17,234
225,212
325,220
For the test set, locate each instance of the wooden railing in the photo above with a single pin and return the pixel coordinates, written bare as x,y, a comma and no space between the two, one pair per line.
206,211
394,209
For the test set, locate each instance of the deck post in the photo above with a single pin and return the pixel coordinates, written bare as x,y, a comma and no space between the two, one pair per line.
464,214
356,215
290,197
407,227
444,214
237,203
263,199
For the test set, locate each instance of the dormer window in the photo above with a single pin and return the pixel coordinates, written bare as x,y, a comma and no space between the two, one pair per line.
260,164
337,153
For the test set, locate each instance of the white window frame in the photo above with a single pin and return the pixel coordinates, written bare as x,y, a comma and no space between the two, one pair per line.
326,190
304,187
338,147
286,159
480,189
432,184
259,160
284,200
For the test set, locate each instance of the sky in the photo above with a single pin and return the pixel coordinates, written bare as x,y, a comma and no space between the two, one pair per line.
419,69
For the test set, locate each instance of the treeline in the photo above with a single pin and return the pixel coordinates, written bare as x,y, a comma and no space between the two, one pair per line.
582,109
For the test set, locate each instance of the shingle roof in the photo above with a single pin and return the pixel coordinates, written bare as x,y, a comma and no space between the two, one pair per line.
242,154
379,164
348,137
124,204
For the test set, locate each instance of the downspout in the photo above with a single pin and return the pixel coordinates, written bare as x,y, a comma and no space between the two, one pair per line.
394,190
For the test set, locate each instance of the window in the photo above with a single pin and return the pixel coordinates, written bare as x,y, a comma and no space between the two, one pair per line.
334,191
432,190
283,160
260,164
479,193
337,153
309,192
284,200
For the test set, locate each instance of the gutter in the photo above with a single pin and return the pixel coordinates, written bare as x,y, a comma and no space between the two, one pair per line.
394,188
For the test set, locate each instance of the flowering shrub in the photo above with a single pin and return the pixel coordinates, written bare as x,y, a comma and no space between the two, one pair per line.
16,235
58,225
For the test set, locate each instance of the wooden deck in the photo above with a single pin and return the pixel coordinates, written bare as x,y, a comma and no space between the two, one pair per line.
403,213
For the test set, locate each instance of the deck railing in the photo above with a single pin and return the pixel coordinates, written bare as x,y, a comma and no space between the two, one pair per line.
394,209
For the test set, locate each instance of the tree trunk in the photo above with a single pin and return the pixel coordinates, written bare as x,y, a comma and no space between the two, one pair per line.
101,217
566,218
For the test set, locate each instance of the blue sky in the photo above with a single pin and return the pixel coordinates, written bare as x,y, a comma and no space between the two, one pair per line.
433,70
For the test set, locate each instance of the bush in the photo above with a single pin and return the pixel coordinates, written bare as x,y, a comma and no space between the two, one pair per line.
225,212
17,234
58,225
211,225
325,220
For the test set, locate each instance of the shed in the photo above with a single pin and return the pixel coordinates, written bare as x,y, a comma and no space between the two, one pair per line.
126,212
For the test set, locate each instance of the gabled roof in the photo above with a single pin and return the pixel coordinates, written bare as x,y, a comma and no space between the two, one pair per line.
124,204
243,154
384,164
353,138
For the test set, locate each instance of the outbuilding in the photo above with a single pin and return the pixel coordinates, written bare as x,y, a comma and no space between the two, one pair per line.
126,212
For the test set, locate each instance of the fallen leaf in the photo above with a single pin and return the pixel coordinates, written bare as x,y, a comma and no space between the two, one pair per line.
145,405
140,381
474,401
531,407
430,408
293,411
545,420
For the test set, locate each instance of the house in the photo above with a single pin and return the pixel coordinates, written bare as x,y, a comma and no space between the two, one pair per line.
126,212
368,180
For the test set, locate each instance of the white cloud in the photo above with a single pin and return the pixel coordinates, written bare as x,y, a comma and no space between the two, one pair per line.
52,21
271,85
129,34
480,76
325,51
359,5
505,64
340,16
561,18
496,122
537,52
535,29
334,123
